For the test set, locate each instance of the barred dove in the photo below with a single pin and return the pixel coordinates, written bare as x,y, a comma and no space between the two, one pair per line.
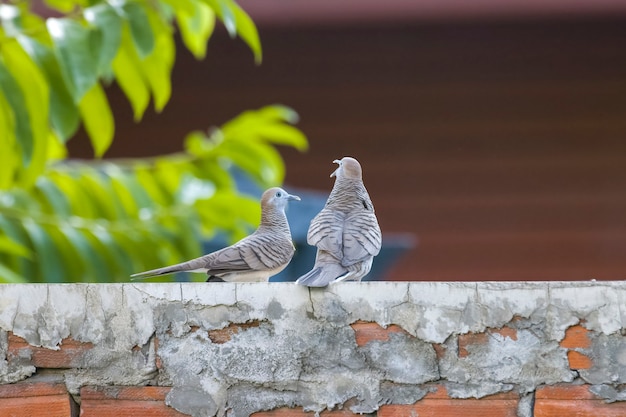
256,257
346,231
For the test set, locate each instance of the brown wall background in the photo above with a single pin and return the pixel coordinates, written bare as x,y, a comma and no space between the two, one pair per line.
500,143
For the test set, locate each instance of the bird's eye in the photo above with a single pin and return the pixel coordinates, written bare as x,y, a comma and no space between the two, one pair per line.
279,194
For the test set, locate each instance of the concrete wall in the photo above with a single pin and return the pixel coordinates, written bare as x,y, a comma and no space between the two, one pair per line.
393,349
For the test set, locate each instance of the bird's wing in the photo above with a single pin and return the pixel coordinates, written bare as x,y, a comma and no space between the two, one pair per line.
326,232
361,238
266,251
224,260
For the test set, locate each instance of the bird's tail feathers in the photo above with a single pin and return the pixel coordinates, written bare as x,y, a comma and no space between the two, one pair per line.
159,271
321,276
348,276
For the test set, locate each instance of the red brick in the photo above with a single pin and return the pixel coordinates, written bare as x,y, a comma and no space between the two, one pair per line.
565,392
439,404
35,399
147,393
467,339
578,360
117,401
298,412
575,401
576,337
506,332
69,355
224,335
440,350
365,332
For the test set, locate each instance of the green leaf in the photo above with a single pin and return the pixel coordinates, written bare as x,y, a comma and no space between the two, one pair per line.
64,6
79,201
133,241
167,172
10,156
125,197
76,50
229,212
93,263
278,112
157,67
237,21
47,256
247,31
14,230
17,102
147,181
100,192
63,112
70,260
126,67
98,119
35,91
129,191
222,9
140,29
16,19
196,27
181,5
193,189
197,144
8,245
280,134
186,238
56,148
266,123
10,277
56,201
10,18
104,18
262,162
117,260
215,173
283,135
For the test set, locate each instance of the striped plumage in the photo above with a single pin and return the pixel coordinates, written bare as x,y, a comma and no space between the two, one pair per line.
346,231
257,257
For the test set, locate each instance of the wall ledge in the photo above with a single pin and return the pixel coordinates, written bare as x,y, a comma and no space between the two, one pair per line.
207,349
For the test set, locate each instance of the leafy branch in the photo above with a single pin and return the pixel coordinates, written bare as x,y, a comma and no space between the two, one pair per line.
52,70
102,220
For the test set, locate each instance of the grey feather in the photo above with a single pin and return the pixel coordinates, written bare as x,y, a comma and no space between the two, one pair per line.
346,231
257,257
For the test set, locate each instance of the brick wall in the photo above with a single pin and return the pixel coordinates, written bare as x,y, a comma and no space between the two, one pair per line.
385,349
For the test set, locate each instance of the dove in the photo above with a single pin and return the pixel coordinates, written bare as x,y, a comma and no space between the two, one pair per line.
256,257
346,231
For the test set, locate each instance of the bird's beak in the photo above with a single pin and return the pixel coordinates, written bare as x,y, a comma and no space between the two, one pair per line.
293,197
338,162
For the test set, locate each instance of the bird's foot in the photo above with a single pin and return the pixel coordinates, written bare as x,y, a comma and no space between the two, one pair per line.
213,278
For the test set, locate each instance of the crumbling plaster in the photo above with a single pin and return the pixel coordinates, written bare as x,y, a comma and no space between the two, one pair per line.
303,350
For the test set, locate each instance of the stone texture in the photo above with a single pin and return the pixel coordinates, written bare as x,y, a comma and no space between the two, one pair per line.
352,348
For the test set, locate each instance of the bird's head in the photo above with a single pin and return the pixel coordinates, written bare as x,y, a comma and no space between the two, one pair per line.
277,197
348,168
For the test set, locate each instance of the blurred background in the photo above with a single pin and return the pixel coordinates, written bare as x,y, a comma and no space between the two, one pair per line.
492,134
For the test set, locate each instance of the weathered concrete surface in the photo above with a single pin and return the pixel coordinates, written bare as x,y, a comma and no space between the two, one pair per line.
302,351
